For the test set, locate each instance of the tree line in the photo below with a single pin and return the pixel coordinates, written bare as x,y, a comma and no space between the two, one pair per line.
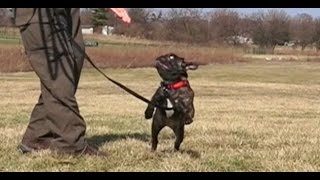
215,27
193,25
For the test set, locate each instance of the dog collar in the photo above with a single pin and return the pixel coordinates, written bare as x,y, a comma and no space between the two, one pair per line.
177,85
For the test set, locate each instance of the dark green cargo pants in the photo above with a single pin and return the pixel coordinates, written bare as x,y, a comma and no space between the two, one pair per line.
47,35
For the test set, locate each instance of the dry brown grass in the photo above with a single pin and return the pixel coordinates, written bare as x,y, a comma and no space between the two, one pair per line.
123,40
249,117
144,56
122,52
12,57
308,51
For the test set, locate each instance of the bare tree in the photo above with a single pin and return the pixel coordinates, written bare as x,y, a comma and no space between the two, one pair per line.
247,26
225,25
86,16
302,29
186,24
141,19
316,34
155,29
271,28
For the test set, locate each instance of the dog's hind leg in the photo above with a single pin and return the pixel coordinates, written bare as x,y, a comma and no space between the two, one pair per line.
179,132
156,128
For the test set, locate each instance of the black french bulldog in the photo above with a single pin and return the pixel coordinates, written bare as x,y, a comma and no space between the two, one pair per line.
174,92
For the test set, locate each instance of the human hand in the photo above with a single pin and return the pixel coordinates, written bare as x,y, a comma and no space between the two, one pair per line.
122,13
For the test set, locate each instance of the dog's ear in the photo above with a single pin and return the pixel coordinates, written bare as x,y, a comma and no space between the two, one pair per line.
160,58
191,66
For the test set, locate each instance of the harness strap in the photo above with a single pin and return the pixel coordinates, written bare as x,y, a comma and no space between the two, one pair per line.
177,85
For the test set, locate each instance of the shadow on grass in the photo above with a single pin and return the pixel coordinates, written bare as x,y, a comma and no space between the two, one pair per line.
192,153
99,140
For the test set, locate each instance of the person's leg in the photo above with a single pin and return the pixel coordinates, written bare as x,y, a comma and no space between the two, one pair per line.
37,135
55,66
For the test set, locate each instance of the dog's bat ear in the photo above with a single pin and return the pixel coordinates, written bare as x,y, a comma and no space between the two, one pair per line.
191,66
159,58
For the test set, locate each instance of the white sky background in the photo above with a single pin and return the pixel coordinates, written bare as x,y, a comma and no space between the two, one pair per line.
315,12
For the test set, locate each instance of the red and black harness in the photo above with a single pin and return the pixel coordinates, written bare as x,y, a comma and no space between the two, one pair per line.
166,87
173,86
177,85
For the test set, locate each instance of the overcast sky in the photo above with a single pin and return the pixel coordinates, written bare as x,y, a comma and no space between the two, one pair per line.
315,12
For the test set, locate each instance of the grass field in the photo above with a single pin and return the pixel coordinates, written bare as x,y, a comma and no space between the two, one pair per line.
249,117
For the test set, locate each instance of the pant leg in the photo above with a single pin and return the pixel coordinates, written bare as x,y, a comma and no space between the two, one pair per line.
57,67
38,134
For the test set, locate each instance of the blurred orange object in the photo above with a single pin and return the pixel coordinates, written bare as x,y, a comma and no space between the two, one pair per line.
122,13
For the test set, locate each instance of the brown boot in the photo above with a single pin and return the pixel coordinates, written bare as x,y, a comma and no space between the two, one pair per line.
23,148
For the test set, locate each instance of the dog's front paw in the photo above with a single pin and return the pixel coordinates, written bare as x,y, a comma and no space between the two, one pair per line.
188,121
148,113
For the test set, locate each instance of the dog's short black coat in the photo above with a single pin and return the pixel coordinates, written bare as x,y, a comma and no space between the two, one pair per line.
174,89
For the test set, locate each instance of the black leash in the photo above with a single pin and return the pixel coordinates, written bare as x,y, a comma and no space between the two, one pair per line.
124,87
128,90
